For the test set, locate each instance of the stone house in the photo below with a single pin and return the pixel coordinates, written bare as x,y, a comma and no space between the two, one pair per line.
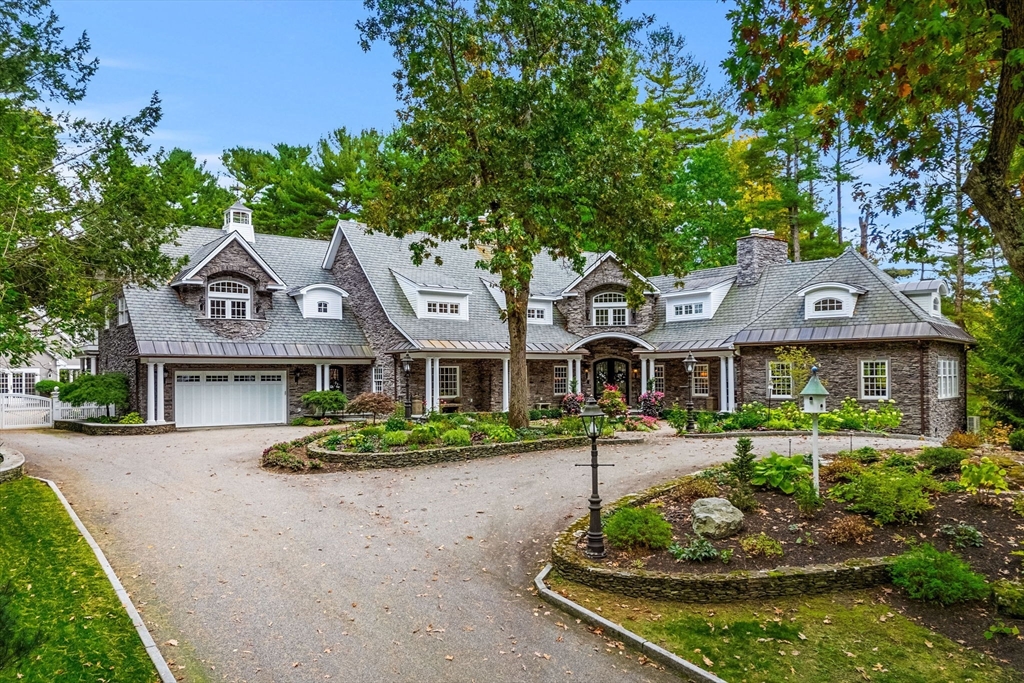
254,321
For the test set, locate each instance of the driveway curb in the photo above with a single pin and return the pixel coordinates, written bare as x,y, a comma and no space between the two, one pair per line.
671,661
147,639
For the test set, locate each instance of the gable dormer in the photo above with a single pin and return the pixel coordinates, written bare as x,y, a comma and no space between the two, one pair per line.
830,300
238,218
696,303
927,294
433,295
539,311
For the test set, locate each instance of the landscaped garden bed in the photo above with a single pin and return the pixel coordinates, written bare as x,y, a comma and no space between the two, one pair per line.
883,417
62,614
100,427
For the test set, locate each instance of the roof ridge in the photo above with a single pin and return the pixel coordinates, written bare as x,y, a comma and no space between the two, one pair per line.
890,284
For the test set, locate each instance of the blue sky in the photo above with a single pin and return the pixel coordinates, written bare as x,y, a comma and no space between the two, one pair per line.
253,73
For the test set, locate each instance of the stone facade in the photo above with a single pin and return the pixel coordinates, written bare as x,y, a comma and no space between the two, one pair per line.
12,465
607,277
97,429
120,353
754,253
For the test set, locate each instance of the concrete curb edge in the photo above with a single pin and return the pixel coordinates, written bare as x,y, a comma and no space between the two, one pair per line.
671,661
140,626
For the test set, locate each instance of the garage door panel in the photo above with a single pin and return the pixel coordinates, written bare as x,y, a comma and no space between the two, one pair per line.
219,398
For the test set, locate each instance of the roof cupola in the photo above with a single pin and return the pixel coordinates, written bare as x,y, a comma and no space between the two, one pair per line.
238,219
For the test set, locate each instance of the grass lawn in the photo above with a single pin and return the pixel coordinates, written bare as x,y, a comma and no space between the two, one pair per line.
834,638
60,588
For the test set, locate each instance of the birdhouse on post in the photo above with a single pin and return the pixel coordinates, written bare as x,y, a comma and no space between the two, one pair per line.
814,395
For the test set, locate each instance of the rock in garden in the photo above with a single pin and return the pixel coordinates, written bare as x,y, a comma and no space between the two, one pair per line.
716,518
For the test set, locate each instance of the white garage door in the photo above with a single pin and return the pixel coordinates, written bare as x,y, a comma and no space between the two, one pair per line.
212,399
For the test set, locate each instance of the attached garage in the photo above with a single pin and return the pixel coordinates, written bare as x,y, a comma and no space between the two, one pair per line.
223,398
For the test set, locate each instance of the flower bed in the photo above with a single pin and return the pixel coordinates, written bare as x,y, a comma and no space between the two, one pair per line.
787,417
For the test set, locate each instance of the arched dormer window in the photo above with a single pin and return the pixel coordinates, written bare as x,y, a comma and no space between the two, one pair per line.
227,299
828,304
610,309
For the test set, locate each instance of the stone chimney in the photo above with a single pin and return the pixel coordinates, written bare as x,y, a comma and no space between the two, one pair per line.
755,252
238,218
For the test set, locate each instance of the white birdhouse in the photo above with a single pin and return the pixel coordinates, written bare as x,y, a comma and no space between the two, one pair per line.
814,394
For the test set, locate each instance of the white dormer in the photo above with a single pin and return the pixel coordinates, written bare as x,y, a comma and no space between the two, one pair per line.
830,300
434,296
539,311
695,304
319,301
238,219
927,294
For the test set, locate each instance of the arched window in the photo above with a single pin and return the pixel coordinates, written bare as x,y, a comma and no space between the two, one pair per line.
610,309
228,299
828,304
322,307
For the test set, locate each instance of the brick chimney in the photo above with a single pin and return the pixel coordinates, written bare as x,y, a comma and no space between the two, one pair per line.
755,252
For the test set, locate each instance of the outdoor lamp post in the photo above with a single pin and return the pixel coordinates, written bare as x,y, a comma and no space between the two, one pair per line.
689,363
814,404
407,368
593,422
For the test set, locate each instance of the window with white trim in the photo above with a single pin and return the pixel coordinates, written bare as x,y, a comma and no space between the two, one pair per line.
534,313
18,381
245,378
780,379
448,381
659,378
874,379
610,309
378,379
122,311
188,378
228,299
561,380
240,217
696,308
442,308
828,304
949,378
216,378
322,307
701,379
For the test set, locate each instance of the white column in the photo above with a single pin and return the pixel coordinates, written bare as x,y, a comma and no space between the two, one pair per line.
723,384
504,384
150,392
160,393
579,375
319,378
731,378
437,384
643,374
428,400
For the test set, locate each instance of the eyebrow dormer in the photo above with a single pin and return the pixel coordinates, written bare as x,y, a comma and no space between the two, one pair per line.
830,300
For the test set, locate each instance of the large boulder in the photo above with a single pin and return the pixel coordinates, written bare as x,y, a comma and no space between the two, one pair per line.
716,518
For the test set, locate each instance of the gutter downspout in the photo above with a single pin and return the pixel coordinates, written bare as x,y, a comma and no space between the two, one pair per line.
921,372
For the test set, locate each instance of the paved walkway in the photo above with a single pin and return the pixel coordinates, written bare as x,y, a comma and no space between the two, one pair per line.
398,575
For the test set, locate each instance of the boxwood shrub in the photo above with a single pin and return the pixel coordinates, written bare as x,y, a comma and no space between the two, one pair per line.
929,574
634,528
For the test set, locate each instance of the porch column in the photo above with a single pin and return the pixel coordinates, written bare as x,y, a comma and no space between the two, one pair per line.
159,388
643,374
150,385
579,375
319,377
504,385
731,383
437,384
428,400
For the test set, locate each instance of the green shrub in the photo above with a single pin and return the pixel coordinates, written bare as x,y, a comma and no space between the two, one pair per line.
850,415
108,388
982,477
333,441
887,494
885,417
456,437
632,528
928,574
676,418
807,499
862,454
840,469
741,467
396,423
750,416
499,433
952,487
962,535
708,423
395,439
780,472
571,425
367,444
422,435
691,488
941,458
323,402
761,545
699,550
1017,440
743,500
45,387
131,419
900,462
372,431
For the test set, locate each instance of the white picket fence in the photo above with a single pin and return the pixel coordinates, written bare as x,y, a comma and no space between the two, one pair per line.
26,411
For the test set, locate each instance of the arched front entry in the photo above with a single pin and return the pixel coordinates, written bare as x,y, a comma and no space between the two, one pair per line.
611,371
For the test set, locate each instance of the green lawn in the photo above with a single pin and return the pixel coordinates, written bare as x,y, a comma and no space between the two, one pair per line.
834,638
59,587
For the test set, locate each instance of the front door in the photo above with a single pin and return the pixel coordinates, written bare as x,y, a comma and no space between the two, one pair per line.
611,371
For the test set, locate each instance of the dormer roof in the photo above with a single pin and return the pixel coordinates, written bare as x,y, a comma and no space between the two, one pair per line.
203,256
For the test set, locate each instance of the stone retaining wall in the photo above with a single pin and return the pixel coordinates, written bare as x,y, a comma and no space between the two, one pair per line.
12,466
430,456
685,587
99,429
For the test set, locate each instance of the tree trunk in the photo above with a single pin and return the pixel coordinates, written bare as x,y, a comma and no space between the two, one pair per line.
961,227
863,220
794,233
516,302
839,185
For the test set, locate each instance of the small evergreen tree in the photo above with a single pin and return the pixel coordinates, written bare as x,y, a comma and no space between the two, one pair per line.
742,464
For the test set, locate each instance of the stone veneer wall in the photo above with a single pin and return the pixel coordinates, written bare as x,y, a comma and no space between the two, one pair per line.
607,277
118,352
97,429
916,394
571,564
754,253
12,467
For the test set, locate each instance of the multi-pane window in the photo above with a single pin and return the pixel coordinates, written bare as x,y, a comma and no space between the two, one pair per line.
188,378
949,378
228,299
701,379
18,381
535,313
448,381
216,378
322,307
270,378
442,308
780,379
828,304
874,379
659,378
690,309
5,383
122,311
561,379
245,378
240,217
610,309
378,379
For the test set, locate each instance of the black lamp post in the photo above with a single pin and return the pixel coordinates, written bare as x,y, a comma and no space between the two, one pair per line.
689,363
407,368
593,422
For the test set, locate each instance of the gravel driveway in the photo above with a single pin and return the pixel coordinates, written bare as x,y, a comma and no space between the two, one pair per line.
418,574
